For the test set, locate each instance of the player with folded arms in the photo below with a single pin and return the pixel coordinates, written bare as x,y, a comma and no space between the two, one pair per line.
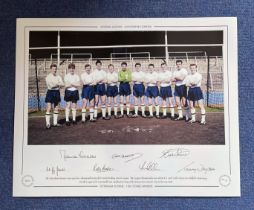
138,78
71,96
195,94
180,93
152,90
100,89
54,82
88,93
112,90
165,90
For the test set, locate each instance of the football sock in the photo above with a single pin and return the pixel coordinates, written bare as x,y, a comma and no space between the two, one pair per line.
83,115
203,115
55,116
143,109
172,111
128,108
74,113
109,110
157,109
95,111
193,114
164,111
136,109
180,112
91,110
115,109
121,108
47,116
67,113
151,110
187,112
103,110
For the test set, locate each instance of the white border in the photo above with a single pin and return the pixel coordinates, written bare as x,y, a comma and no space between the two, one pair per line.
27,158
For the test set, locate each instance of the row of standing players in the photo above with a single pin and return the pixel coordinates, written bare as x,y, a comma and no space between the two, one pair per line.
98,84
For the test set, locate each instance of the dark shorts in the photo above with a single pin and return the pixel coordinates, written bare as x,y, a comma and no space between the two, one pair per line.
195,94
165,92
88,92
138,90
100,89
181,91
124,89
152,91
72,96
53,97
112,91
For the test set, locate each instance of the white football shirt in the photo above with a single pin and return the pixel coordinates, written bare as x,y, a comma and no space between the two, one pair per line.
151,78
178,73
112,78
195,79
52,81
99,76
165,78
88,79
71,79
138,77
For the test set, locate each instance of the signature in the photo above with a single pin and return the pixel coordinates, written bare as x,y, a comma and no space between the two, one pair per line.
55,170
149,166
102,168
79,155
194,168
127,157
179,152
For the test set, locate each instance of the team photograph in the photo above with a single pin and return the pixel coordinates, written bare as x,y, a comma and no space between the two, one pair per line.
125,87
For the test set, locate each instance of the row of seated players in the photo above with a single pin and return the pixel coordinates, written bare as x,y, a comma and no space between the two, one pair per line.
99,85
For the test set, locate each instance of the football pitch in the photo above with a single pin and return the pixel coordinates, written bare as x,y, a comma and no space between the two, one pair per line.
128,131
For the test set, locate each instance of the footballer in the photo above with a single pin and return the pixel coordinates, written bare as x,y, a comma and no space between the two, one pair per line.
165,90
195,94
124,77
100,89
54,82
152,90
88,93
112,90
71,95
180,93
138,77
